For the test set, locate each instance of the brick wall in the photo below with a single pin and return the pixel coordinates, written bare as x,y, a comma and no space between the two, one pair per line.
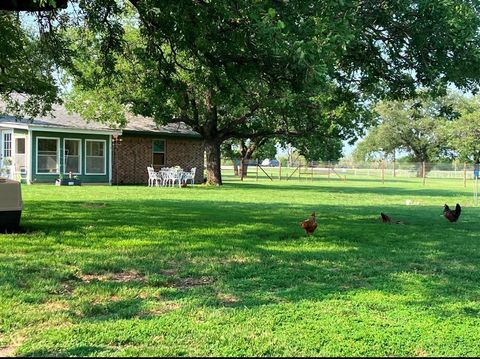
133,154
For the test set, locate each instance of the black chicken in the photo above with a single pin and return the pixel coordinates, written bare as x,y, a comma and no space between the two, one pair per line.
385,218
452,216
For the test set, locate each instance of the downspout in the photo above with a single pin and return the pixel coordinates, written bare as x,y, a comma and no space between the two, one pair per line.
110,144
29,159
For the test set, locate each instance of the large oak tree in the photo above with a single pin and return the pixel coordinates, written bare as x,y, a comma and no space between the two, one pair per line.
27,87
244,69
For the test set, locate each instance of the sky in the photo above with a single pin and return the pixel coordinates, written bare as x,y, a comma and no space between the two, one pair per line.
347,148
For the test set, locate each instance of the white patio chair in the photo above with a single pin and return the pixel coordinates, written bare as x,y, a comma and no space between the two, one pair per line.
171,177
164,176
189,176
179,175
152,177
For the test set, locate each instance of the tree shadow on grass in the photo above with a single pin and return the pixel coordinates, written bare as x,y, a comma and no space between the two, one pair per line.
250,254
109,309
385,189
317,179
79,351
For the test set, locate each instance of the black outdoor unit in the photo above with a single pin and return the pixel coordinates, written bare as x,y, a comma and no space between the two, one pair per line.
10,206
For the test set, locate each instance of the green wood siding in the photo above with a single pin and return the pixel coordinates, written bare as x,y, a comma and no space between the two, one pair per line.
19,131
45,177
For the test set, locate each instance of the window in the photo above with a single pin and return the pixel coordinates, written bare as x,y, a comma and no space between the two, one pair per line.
7,144
72,156
20,146
47,155
20,160
95,157
158,153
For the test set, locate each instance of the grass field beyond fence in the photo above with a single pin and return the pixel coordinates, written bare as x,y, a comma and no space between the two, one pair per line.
227,271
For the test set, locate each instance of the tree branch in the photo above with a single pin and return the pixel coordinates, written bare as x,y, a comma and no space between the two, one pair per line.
230,129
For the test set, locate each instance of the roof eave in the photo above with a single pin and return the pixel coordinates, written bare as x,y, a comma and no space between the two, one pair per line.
75,130
161,134
22,126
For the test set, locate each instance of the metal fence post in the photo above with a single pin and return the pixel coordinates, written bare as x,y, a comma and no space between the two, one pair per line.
423,172
475,192
383,172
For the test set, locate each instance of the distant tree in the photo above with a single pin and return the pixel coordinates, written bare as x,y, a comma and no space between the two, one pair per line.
415,126
380,140
266,149
319,148
464,133
241,151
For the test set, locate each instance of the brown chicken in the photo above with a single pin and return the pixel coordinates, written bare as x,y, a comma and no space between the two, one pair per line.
310,224
387,219
452,216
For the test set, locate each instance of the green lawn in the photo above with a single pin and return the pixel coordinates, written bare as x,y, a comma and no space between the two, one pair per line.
227,271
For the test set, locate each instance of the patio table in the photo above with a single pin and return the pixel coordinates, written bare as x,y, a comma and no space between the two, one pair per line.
171,176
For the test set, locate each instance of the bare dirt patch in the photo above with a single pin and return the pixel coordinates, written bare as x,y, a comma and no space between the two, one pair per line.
164,308
122,277
239,260
419,352
55,306
10,350
169,272
187,283
227,298
67,289
110,299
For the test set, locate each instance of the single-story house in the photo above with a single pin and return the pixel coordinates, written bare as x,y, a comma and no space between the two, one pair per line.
41,149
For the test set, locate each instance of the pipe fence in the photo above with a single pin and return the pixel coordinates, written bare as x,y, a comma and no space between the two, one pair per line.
343,171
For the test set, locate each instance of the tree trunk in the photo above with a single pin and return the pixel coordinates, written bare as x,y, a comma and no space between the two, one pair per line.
214,173
244,167
245,155
235,168
394,158
419,167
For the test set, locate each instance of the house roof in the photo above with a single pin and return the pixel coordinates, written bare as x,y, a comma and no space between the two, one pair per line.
62,120
58,119
145,125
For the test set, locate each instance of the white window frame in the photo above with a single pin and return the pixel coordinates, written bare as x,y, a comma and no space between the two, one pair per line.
104,155
58,155
2,142
79,155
